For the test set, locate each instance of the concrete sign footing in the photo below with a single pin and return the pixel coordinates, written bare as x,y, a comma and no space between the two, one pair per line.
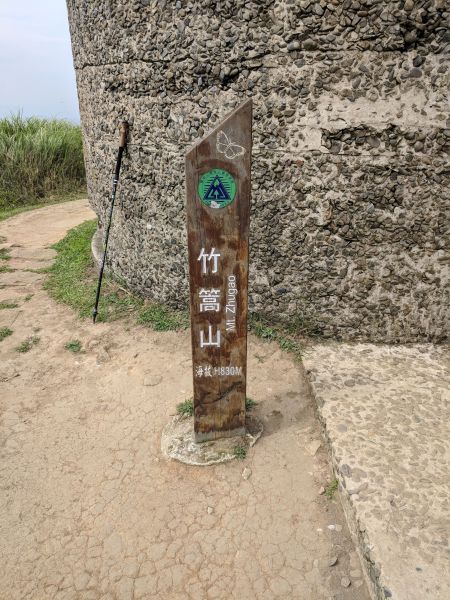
178,442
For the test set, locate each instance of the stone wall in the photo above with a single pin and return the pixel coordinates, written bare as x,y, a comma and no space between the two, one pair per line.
351,202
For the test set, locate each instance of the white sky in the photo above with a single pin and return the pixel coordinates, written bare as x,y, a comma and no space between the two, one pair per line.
36,69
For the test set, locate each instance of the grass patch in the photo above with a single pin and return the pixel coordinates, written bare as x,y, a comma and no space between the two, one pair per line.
28,344
73,346
4,254
161,318
28,297
186,408
250,404
39,158
240,452
4,333
68,280
4,305
331,488
72,279
285,336
6,269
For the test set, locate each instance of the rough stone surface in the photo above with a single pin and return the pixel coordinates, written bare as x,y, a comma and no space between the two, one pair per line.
178,442
89,507
386,414
350,214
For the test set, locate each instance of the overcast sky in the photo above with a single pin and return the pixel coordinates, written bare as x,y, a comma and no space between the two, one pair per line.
36,69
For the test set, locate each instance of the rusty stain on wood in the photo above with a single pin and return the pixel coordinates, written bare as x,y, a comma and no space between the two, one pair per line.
218,189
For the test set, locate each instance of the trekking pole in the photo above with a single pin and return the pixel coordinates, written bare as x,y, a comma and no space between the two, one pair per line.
122,146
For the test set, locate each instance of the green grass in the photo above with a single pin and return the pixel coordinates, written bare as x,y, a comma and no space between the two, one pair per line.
39,158
4,333
6,269
73,346
186,408
28,344
331,488
28,297
250,404
161,318
285,335
4,254
240,452
72,279
6,304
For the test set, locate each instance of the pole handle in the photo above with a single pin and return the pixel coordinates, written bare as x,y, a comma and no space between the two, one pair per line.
123,134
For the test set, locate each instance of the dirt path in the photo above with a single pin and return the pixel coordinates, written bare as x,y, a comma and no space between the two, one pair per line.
89,509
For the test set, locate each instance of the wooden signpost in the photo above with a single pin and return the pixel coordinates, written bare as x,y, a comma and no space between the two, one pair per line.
218,192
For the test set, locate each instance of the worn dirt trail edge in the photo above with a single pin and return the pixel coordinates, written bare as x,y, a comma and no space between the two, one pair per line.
89,509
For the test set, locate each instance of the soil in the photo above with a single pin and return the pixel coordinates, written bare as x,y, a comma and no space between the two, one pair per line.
90,508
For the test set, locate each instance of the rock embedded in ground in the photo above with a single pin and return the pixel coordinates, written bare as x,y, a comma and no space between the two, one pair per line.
246,473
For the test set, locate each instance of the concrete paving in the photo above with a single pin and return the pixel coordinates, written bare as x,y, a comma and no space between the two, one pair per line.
386,415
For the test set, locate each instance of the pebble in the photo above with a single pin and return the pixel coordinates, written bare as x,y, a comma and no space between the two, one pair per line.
246,473
345,582
210,510
152,380
313,447
355,573
333,561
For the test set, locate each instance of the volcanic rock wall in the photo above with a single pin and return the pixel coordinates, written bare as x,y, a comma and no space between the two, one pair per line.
351,202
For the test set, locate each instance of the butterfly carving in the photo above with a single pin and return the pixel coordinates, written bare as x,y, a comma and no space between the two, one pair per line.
226,146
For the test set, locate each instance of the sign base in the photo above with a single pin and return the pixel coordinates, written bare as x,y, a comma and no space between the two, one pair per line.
215,435
178,442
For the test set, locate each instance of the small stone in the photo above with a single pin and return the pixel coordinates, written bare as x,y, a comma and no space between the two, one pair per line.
210,510
333,561
415,72
309,44
152,380
410,36
313,447
346,470
295,45
322,491
418,146
102,356
409,5
246,473
345,582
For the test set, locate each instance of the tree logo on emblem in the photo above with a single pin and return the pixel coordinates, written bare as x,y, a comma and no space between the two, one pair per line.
217,188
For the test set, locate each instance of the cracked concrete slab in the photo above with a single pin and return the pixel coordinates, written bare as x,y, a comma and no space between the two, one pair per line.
386,415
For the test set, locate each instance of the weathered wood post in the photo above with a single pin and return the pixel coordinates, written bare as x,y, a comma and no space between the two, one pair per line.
218,192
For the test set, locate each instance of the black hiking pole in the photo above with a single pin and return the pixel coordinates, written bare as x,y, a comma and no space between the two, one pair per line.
122,146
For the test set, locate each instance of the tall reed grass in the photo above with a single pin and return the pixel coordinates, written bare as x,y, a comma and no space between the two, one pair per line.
38,158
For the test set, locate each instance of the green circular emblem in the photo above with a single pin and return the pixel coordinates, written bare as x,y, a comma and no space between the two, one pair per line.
217,188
